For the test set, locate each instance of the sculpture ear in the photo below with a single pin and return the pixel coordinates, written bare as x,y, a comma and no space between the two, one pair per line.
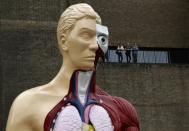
63,42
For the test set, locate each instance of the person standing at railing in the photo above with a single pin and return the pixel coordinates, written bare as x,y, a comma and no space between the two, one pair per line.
135,53
128,53
119,53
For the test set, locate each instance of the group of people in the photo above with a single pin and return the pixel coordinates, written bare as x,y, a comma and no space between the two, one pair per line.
128,51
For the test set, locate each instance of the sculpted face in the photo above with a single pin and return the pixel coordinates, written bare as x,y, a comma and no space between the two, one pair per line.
81,44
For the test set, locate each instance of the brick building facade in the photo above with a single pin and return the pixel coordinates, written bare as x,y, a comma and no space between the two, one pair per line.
29,56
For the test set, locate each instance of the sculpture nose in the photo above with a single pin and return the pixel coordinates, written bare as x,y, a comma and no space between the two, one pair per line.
93,46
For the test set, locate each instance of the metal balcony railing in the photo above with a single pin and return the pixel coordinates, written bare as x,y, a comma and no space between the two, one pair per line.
150,56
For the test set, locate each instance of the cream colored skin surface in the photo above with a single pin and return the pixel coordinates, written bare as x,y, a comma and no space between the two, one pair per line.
30,108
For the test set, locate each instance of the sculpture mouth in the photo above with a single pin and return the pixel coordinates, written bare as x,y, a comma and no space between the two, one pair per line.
90,58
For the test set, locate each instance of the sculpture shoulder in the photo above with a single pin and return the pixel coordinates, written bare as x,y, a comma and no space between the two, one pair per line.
124,105
26,98
21,111
127,111
121,104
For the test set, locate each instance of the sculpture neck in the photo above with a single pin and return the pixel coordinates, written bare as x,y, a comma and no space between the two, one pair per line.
82,85
62,81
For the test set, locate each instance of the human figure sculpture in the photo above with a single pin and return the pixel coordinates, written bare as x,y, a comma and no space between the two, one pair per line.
72,101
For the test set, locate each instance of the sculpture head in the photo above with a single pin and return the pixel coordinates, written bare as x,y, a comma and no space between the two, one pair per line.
76,34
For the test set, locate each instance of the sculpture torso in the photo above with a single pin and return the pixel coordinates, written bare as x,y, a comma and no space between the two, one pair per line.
103,111
40,107
79,107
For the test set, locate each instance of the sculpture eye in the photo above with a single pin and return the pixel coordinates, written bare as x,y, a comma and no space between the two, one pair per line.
102,40
85,35
102,37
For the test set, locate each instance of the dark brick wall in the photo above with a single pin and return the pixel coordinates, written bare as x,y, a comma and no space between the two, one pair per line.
1,96
29,56
40,10
150,23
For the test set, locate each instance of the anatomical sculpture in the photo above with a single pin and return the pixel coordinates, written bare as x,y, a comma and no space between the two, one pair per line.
72,101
